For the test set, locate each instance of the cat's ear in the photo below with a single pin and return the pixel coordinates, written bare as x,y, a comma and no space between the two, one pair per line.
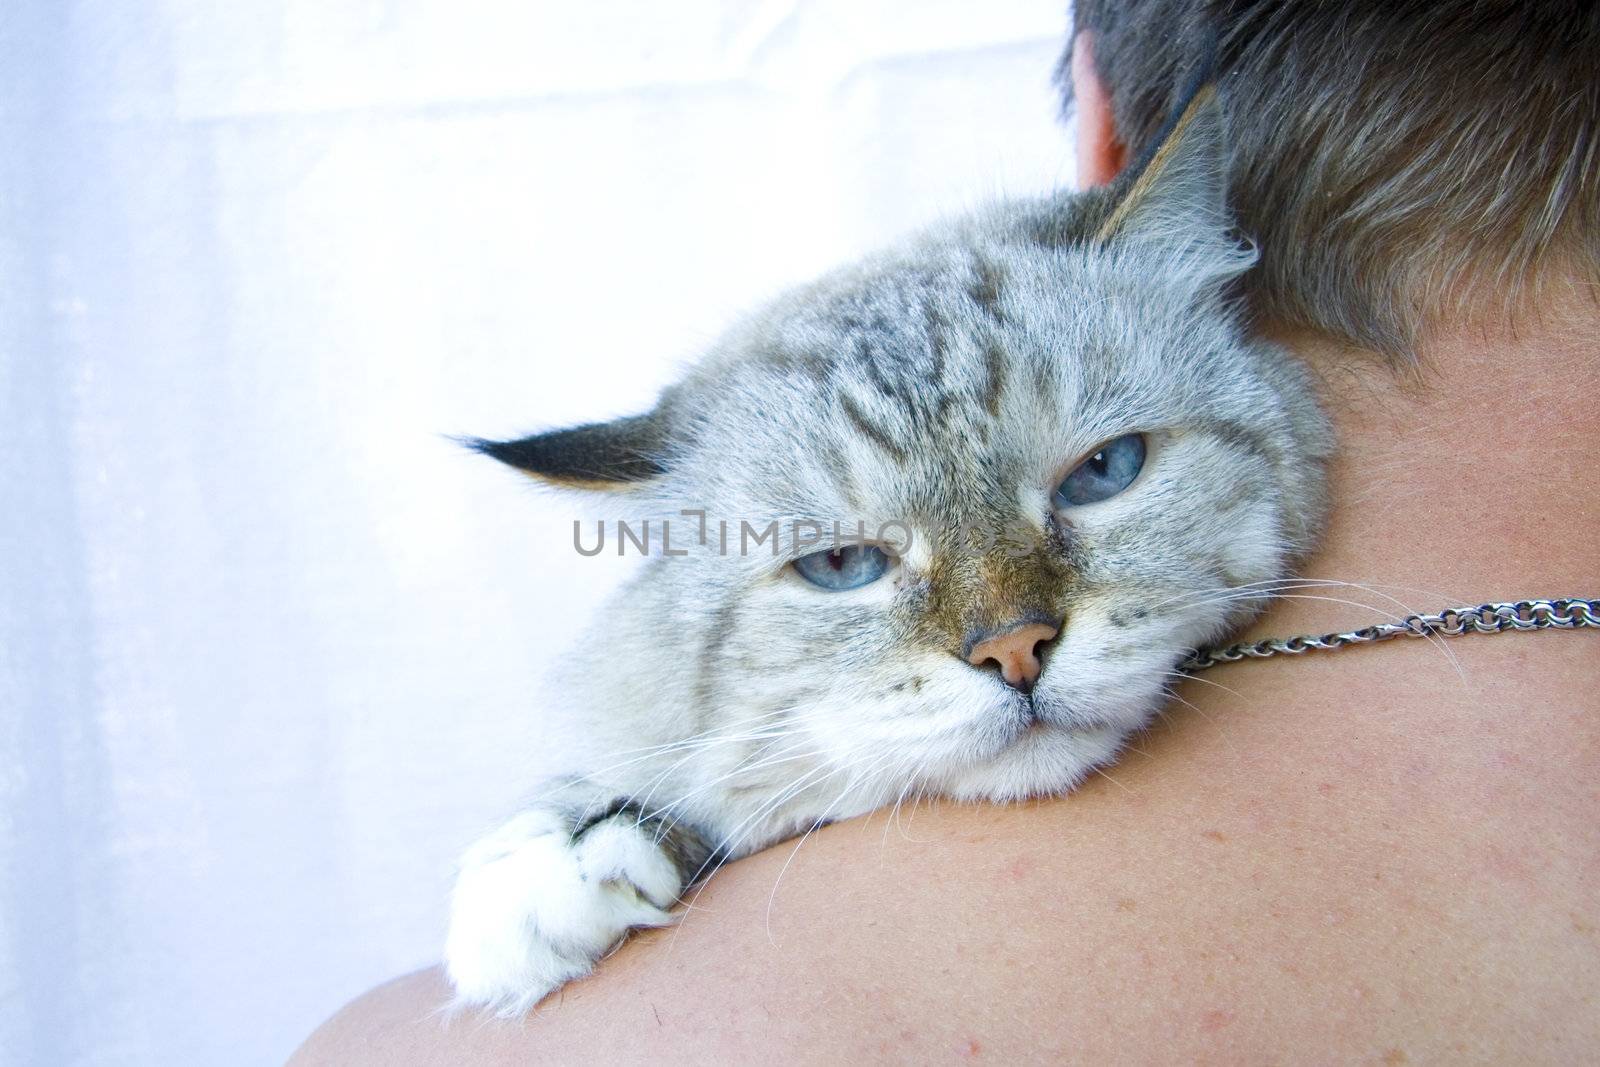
621,454
1175,197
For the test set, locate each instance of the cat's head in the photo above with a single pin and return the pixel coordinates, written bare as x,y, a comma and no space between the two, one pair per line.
1066,457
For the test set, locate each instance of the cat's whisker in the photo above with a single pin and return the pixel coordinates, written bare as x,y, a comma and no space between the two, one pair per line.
787,755
1266,587
894,813
1131,747
643,797
852,783
661,778
1211,720
752,762
728,851
1201,598
1281,594
728,847
925,795
1186,677
1102,773
1274,586
1262,587
901,805
732,724
773,735
1173,695
665,822
706,740
759,759
1433,639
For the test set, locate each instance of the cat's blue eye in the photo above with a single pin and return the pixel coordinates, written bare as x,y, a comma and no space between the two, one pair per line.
1105,474
846,567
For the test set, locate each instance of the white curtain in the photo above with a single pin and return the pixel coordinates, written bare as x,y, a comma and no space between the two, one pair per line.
270,645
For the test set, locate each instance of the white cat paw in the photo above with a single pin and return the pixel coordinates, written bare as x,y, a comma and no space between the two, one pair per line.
535,907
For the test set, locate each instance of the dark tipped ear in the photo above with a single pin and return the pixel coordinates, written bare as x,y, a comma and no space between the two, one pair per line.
620,454
1180,184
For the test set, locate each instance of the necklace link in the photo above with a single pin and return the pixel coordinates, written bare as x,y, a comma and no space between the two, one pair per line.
1567,613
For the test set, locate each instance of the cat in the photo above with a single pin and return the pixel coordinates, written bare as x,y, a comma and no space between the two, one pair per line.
1059,464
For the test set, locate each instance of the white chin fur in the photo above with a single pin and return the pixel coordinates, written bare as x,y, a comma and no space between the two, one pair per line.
1044,760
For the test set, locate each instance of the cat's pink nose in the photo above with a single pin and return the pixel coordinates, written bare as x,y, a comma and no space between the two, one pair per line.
1016,652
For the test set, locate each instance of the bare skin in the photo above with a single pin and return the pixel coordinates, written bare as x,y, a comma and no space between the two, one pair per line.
1386,855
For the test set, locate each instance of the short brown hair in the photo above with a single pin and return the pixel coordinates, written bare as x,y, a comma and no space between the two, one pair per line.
1394,159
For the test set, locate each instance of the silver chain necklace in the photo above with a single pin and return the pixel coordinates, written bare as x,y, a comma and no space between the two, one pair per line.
1570,613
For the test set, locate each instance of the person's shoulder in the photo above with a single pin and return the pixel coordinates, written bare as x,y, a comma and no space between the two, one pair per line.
1316,842
398,1023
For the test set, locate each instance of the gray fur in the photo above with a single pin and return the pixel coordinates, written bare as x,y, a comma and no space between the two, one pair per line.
948,383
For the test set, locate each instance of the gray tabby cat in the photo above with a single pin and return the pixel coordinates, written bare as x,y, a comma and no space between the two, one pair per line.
1086,466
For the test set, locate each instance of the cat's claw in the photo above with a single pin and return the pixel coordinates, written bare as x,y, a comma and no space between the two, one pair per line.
535,905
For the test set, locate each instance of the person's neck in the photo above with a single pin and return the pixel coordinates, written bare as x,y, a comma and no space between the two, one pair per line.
1477,481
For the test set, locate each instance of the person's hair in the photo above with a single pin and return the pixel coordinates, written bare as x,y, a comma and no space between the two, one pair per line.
1398,161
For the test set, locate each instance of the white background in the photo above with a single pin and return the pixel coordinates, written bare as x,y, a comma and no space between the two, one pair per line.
270,646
